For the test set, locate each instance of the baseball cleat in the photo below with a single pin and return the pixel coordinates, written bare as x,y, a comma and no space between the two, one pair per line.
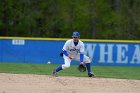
54,73
91,75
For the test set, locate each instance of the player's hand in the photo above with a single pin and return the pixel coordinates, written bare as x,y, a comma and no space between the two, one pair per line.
81,62
82,67
69,56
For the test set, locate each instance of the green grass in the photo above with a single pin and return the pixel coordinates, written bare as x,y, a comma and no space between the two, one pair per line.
46,69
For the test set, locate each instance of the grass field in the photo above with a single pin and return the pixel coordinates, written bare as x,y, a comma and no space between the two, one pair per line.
100,71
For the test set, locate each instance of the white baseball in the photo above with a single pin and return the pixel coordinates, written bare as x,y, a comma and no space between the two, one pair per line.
49,62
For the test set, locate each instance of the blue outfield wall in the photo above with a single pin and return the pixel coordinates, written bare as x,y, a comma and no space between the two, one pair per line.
40,51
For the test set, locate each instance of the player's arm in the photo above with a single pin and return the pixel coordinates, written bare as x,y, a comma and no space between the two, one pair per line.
65,48
82,53
66,54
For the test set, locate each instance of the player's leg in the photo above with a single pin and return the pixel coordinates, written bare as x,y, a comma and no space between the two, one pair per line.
87,63
66,64
88,66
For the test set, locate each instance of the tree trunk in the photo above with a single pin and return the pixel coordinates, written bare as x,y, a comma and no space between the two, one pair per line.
4,30
92,20
55,29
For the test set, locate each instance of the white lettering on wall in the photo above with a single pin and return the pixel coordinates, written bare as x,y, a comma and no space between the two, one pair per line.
111,53
107,53
121,53
89,50
136,55
18,42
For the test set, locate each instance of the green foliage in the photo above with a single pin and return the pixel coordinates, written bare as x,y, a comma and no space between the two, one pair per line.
104,19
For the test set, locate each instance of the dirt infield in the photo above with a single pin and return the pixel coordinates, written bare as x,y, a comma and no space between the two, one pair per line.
25,83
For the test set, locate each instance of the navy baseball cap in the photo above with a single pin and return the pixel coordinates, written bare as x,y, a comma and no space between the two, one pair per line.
75,34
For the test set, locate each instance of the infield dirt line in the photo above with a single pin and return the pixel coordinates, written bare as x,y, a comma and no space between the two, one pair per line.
27,83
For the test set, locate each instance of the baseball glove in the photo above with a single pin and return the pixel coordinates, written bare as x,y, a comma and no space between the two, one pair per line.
82,68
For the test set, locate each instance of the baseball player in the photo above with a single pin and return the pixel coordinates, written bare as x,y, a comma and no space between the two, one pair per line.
73,49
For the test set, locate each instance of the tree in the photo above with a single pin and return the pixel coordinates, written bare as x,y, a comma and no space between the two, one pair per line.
94,19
